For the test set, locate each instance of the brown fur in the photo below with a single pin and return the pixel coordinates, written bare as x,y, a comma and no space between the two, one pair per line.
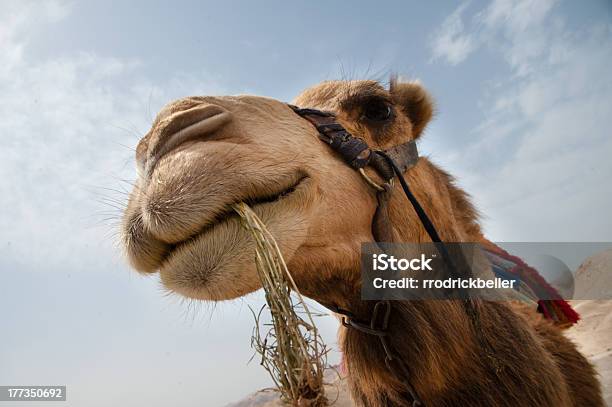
178,222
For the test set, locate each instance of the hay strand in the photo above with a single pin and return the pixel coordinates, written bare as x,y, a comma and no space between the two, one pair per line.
292,350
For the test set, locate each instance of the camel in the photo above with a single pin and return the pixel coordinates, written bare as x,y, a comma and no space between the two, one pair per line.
204,154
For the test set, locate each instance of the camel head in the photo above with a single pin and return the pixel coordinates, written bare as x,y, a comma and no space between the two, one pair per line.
204,154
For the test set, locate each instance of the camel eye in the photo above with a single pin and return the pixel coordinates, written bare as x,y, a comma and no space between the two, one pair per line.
377,111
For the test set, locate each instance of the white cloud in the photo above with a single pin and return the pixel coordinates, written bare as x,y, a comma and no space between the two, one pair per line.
524,27
541,164
517,16
62,124
451,42
19,18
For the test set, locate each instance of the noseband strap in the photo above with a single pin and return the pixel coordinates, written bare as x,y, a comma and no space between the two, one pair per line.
355,151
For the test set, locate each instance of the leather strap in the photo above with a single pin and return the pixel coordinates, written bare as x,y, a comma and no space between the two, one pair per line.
355,151
404,155
382,229
378,326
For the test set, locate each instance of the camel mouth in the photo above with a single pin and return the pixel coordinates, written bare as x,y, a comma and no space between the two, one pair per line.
218,262
300,183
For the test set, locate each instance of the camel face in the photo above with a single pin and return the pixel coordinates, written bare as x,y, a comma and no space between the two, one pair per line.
204,154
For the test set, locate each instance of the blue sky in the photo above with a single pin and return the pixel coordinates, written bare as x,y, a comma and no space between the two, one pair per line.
524,100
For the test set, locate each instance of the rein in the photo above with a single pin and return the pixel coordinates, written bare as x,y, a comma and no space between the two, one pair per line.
389,164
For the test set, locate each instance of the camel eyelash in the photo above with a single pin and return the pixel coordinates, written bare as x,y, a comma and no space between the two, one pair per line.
365,100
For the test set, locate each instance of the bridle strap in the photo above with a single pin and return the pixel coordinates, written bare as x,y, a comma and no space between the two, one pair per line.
389,163
378,327
355,151
404,156
427,224
358,154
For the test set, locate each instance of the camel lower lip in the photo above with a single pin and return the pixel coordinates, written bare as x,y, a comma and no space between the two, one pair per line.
229,213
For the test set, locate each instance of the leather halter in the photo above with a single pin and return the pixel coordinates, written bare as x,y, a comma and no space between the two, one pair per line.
388,164
355,151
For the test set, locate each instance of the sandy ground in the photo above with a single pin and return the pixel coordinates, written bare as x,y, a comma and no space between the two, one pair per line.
592,334
336,391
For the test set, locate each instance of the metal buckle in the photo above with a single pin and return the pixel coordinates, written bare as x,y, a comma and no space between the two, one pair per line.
373,183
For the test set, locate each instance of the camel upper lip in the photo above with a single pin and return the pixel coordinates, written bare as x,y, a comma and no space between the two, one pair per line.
186,126
229,212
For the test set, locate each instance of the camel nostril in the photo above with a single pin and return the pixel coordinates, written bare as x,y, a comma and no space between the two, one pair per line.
185,126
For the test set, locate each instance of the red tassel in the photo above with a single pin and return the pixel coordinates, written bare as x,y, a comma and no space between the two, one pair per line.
556,309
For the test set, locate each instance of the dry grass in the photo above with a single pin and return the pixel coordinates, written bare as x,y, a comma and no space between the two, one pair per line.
291,350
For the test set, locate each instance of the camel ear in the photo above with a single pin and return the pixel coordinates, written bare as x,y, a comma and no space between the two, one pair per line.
415,102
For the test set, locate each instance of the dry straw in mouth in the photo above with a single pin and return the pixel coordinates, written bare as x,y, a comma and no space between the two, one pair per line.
292,350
